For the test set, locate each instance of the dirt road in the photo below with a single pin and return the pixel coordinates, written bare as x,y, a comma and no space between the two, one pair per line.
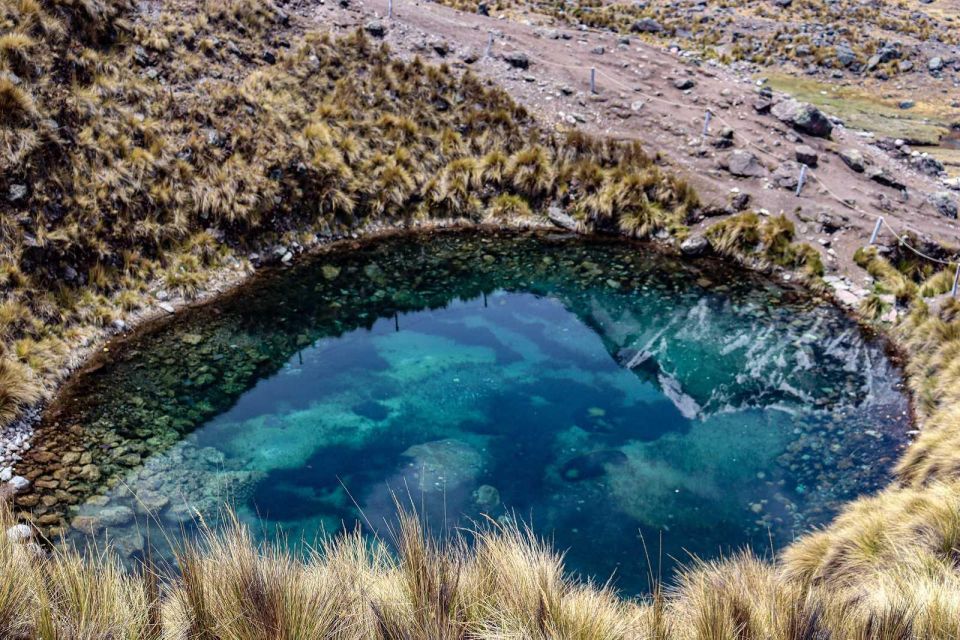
657,97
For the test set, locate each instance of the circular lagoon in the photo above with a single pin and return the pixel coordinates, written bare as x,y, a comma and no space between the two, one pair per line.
603,393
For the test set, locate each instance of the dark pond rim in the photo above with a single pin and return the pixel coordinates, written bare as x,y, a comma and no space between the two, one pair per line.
71,390
72,395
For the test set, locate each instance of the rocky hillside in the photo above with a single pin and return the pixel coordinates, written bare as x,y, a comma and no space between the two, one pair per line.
838,38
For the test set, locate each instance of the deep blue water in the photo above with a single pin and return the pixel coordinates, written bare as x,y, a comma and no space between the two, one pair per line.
601,392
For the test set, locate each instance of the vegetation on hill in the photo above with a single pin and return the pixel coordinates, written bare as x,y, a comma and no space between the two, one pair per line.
140,151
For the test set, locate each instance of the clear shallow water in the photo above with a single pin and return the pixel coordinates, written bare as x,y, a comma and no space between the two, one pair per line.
602,392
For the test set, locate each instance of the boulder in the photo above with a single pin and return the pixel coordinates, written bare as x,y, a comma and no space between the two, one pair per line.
806,154
853,159
888,53
881,176
559,217
646,25
695,245
803,117
16,192
19,533
944,203
935,64
517,60
829,223
375,28
683,84
787,175
440,47
845,55
739,201
927,165
724,139
744,164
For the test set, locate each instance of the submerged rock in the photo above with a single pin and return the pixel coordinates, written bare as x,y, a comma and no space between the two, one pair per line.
330,272
442,464
96,521
591,465
487,497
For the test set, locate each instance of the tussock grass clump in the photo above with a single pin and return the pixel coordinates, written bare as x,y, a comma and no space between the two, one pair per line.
763,242
889,279
503,584
18,389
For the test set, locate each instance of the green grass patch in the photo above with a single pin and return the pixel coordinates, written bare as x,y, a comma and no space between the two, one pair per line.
924,124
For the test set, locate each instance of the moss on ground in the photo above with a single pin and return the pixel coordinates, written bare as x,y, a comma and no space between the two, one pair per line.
925,123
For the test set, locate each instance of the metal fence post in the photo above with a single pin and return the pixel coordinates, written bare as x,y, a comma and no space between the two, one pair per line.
876,230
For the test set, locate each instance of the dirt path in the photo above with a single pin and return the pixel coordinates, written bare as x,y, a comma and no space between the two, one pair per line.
637,98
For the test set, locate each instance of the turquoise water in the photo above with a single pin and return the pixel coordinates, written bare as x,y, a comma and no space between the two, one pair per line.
603,393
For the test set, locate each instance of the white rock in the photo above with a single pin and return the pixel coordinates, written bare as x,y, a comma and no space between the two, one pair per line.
19,533
19,484
5,474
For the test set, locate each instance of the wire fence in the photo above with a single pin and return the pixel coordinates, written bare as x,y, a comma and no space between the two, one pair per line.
807,173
